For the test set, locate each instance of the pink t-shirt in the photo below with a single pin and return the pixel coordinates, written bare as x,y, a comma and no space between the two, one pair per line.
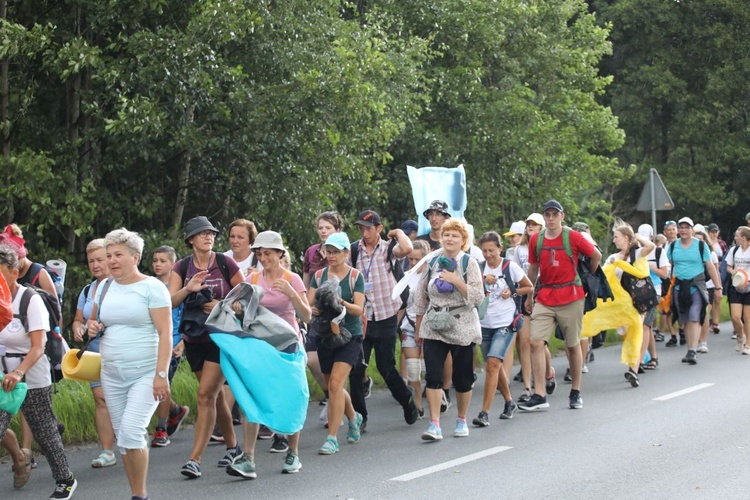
277,302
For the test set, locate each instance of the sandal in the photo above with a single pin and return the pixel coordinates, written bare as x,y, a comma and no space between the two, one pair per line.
21,474
105,459
652,364
632,377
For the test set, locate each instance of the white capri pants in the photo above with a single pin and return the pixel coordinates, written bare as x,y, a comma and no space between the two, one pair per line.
129,393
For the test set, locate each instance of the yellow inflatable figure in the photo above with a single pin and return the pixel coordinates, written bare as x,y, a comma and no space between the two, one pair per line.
619,312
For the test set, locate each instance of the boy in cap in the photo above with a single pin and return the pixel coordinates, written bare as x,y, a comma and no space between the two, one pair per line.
436,214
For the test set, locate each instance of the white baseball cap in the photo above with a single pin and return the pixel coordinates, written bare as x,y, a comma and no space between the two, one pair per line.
517,227
686,220
646,230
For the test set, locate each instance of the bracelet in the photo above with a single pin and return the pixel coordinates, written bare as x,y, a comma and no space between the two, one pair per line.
19,372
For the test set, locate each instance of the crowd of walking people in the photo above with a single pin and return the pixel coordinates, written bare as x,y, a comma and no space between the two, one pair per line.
448,298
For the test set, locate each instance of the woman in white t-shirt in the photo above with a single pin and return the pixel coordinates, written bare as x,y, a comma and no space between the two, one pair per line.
700,233
23,360
135,313
500,322
631,247
739,299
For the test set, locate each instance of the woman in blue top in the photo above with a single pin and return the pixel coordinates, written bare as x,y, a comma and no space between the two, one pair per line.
97,258
135,313
336,364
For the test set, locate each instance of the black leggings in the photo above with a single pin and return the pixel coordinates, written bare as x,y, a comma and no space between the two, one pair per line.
435,353
37,408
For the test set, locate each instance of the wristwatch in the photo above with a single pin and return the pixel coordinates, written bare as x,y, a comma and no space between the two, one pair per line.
162,374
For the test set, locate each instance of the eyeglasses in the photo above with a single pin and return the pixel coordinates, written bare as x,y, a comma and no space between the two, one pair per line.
207,234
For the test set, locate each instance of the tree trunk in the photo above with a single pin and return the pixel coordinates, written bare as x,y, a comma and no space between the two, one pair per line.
9,211
183,180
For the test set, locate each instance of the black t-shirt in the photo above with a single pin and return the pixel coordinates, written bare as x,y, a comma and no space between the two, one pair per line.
434,245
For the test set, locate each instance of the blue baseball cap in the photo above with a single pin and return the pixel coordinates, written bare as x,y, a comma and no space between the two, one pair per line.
409,227
338,240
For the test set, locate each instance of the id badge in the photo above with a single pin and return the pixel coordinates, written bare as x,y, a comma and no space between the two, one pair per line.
368,286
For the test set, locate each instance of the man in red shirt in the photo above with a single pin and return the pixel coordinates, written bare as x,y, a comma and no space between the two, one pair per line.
558,299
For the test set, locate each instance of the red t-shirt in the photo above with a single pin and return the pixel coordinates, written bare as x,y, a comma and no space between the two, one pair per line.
556,267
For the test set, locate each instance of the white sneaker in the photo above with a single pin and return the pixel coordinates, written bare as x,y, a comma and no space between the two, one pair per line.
585,369
702,347
740,344
746,349
324,414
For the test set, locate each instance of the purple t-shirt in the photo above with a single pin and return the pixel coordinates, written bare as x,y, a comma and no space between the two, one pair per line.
215,281
313,260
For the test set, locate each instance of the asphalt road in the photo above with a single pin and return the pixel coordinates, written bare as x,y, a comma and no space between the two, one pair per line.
679,435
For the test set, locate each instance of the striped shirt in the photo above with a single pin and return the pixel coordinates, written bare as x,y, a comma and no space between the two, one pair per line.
375,270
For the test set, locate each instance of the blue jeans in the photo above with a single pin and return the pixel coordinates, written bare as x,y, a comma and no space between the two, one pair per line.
496,341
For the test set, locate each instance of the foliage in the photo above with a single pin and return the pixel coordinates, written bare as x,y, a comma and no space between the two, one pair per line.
680,73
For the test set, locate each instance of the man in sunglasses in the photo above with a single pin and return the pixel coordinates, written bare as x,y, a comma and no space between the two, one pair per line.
558,299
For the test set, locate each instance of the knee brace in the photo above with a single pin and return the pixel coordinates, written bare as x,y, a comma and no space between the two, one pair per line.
413,369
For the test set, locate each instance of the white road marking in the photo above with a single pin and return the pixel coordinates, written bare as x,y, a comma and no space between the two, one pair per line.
677,394
452,463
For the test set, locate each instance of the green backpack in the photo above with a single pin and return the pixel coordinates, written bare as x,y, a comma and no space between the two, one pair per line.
568,250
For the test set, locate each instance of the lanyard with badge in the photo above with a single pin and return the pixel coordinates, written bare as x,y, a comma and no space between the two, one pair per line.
369,306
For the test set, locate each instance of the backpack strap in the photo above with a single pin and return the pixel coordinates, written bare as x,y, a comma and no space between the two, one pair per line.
354,252
353,276
23,307
508,279
566,242
32,275
631,254
105,286
254,278
221,262
465,265
184,264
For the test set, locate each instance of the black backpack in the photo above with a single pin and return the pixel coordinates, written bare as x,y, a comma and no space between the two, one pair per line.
641,290
55,347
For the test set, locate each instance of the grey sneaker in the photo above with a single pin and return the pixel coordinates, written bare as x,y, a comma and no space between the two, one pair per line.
525,396
536,402
482,420
242,467
510,409
576,401
230,456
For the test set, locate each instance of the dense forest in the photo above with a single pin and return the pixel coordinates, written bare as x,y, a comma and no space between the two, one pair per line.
144,113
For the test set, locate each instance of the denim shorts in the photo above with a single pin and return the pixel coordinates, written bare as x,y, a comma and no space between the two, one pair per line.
496,342
407,339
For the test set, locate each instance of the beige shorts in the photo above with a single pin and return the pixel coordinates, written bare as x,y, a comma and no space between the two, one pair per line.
569,318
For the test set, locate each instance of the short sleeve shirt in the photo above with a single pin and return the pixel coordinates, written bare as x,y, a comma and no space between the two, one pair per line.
313,260
738,259
500,311
434,245
15,338
557,268
352,323
277,302
130,338
688,262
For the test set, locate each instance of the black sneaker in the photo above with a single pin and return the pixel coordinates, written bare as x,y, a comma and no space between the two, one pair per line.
265,433
363,426
519,376
536,402
280,444
690,358
323,401
64,489
683,340
510,409
216,436
230,457
446,401
482,420
191,470
567,376
672,341
575,400
632,377
411,414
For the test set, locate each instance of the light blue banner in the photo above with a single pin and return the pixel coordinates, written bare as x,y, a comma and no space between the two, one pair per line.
437,183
